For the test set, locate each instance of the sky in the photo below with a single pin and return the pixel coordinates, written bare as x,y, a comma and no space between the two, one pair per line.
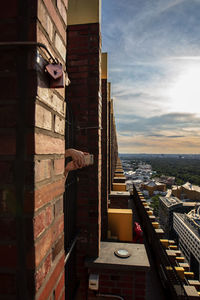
153,51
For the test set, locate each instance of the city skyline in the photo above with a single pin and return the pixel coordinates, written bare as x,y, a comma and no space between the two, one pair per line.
154,65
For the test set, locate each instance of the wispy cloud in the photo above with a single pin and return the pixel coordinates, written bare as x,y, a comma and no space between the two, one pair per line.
151,44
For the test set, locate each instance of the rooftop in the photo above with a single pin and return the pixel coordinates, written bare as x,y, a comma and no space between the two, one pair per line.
107,258
191,187
170,201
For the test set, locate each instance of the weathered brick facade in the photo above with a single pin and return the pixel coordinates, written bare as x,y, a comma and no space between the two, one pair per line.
83,60
32,151
128,284
104,149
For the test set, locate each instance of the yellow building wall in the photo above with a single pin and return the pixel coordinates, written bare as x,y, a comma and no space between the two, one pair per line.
120,223
119,187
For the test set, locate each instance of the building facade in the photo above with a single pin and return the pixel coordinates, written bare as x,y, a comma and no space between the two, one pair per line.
187,230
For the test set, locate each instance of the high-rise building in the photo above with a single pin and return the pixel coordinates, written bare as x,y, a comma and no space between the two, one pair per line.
167,206
187,228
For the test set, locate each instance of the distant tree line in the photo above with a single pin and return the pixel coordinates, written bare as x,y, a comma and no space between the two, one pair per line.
183,169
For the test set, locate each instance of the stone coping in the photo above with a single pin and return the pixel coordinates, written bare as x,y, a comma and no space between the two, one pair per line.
119,194
137,260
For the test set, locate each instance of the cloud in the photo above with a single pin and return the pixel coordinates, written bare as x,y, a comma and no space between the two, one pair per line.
158,145
172,126
150,44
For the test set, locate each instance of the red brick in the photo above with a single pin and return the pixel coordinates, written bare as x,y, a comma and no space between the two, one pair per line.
79,75
72,34
62,10
10,253
57,21
42,272
60,287
63,296
45,144
82,62
43,195
58,247
49,215
43,118
79,42
58,228
48,192
51,283
78,27
42,169
59,166
66,3
42,221
37,253
58,207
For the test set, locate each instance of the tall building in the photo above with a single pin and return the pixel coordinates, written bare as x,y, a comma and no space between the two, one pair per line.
187,228
167,207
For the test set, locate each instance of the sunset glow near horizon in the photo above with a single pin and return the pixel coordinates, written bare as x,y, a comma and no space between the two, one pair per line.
154,66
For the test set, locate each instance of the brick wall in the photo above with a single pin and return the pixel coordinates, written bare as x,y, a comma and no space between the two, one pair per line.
113,148
83,60
32,152
127,284
119,202
104,147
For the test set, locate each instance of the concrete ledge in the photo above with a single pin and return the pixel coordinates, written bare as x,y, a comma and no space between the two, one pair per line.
191,292
119,187
159,232
195,283
119,194
119,179
186,266
138,259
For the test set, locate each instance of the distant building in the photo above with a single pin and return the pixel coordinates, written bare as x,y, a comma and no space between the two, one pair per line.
168,180
187,192
167,206
187,228
153,187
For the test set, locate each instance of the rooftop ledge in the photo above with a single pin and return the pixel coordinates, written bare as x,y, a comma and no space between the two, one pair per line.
107,259
119,193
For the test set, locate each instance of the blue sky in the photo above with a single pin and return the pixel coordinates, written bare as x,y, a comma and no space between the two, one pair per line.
154,67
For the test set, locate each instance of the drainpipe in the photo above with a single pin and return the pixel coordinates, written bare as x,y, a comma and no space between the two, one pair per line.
25,43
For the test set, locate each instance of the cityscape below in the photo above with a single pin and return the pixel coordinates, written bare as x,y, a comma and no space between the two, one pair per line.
176,206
